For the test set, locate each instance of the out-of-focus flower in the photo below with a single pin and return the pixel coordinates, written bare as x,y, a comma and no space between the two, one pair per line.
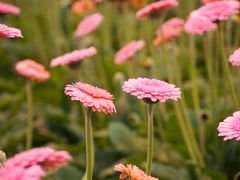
95,98
169,30
133,172
128,51
208,1
155,7
234,58
32,70
230,127
9,32
81,6
74,56
151,89
6,8
137,3
89,24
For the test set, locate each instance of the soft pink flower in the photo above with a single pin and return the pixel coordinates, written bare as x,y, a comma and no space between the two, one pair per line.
230,127
128,51
89,24
74,56
9,32
151,89
32,70
96,98
133,172
155,7
234,58
169,30
6,8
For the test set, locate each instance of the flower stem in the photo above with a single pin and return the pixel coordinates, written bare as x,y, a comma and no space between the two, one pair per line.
29,133
150,140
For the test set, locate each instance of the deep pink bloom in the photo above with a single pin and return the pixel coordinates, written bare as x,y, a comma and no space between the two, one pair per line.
89,24
9,32
32,70
230,127
234,58
152,89
6,8
169,30
96,98
128,51
155,7
74,56
133,172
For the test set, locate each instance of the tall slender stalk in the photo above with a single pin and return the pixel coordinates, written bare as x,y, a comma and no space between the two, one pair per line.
29,132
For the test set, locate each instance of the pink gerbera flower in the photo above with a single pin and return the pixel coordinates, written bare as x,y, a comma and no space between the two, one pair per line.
230,127
151,89
128,51
155,7
32,70
9,32
6,8
133,172
89,24
234,58
93,97
74,56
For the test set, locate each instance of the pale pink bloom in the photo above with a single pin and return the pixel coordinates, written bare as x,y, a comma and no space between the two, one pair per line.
128,51
46,157
93,97
151,89
32,70
74,56
208,1
6,8
9,32
169,30
234,58
230,127
133,172
156,7
89,24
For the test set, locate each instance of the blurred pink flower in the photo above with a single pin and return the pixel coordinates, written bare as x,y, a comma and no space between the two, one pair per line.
74,56
151,89
208,1
128,51
155,7
234,58
169,30
6,8
96,98
230,127
9,32
89,24
32,70
133,172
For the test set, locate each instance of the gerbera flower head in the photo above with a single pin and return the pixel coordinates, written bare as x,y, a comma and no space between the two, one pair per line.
151,90
6,8
234,58
230,127
81,6
95,98
32,70
89,24
74,56
156,7
9,32
128,51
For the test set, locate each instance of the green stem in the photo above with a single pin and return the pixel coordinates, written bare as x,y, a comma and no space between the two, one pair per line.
29,133
150,140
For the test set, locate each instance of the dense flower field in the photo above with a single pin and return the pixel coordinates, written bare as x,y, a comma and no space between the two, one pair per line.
119,89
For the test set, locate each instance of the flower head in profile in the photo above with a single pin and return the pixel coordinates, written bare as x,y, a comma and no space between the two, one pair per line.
81,6
156,7
6,8
152,90
128,51
169,30
9,32
230,127
32,70
234,58
95,98
89,24
133,172
74,56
